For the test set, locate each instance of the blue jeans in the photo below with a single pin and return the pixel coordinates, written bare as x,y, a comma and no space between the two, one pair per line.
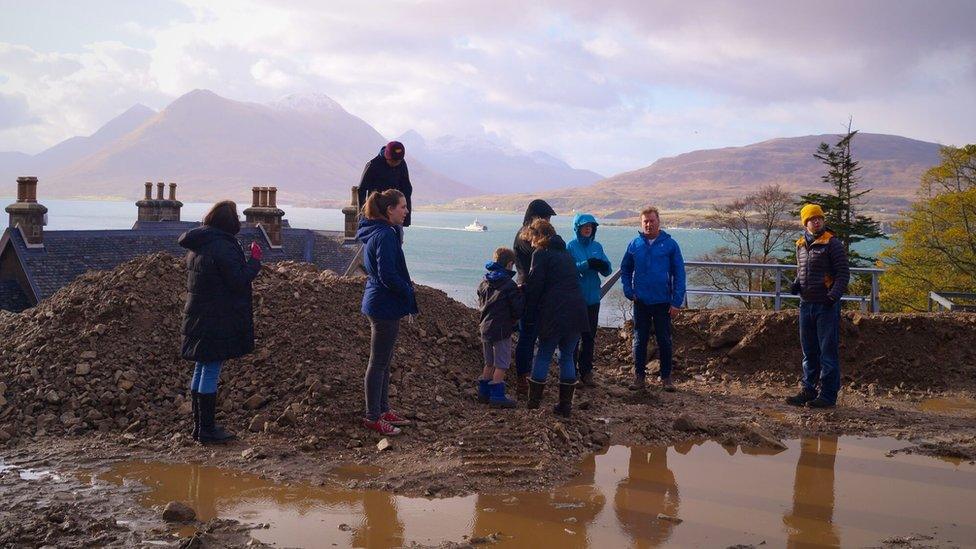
567,366
820,341
205,376
658,314
525,348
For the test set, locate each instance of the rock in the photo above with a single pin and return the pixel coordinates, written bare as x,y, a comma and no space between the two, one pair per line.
82,369
52,396
345,527
89,355
759,437
185,408
309,444
3,387
257,423
384,444
669,518
688,424
560,430
99,329
3,401
176,511
255,401
287,417
253,453
4,436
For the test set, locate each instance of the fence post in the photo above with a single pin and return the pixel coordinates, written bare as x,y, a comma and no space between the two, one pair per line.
778,301
875,299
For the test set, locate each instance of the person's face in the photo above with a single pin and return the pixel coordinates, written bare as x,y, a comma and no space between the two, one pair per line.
398,213
586,231
393,163
815,225
651,224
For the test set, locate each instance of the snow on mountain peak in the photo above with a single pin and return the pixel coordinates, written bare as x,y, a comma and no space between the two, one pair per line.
307,102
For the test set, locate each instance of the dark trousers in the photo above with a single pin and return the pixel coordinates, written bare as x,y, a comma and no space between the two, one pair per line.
525,349
820,341
584,352
383,335
658,315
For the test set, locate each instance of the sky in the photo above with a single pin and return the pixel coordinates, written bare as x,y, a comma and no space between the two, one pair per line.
607,86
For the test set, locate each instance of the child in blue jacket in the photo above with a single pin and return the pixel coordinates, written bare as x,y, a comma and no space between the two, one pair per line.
500,303
591,262
653,276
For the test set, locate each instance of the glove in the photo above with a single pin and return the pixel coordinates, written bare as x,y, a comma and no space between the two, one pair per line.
596,263
256,252
795,287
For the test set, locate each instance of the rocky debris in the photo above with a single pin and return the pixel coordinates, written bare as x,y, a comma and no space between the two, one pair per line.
689,424
669,518
177,511
384,444
253,453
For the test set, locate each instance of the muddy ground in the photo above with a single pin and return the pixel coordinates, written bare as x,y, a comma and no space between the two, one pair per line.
92,376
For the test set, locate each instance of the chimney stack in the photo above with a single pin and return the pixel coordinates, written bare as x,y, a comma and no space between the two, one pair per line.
265,213
351,215
159,208
27,214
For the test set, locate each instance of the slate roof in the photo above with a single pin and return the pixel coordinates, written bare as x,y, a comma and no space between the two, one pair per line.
67,254
11,296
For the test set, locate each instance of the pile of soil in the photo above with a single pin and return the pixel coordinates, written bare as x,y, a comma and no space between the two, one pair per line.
934,351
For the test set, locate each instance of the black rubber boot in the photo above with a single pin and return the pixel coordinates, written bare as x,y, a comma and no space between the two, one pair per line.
565,406
195,401
535,394
801,398
210,432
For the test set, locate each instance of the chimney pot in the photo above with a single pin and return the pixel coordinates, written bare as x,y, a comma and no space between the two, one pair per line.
159,190
255,194
172,191
273,197
148,190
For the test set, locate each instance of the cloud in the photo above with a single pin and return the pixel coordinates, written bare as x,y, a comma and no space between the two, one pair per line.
608,86
14,112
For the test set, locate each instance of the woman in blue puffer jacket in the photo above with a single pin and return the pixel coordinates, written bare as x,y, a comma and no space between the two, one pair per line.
388,297
591,262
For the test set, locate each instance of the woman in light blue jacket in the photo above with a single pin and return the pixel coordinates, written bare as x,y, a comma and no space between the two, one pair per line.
591,262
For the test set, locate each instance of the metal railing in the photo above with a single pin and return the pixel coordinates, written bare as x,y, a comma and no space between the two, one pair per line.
945,301
868,302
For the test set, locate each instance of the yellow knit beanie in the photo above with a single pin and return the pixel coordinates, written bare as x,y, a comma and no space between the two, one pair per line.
808,211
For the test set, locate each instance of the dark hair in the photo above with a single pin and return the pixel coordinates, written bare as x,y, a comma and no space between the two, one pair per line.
504,256
378,203
539,233
223,216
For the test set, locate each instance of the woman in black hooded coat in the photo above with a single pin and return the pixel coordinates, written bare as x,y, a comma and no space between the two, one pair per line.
218,321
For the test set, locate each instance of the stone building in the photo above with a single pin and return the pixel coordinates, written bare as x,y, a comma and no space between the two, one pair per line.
35,263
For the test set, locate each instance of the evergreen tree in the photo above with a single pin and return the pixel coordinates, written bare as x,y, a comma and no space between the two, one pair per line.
842,206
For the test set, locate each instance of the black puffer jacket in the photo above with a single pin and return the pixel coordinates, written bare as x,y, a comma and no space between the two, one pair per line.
379,176
218,323
553,296
523,250
500,302
822,272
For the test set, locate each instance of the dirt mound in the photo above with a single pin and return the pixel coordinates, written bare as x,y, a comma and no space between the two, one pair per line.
936,351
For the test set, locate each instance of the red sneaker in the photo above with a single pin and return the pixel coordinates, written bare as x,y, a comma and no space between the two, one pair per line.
381,427
393,419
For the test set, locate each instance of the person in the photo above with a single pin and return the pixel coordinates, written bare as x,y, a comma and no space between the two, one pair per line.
501,304
591,262
555,310
218,320
525,348
388,297
822,275
653,276
388,170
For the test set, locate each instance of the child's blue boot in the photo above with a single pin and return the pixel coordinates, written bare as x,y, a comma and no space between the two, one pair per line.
498,398
484,394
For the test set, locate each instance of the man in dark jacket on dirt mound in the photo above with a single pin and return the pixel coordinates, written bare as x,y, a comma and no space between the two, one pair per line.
525,349
822,274
388,170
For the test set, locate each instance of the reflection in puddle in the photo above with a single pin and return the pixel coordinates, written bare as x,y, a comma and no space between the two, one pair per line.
821,491
952,404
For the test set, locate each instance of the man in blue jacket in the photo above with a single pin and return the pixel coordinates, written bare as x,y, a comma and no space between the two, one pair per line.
591,262
653,276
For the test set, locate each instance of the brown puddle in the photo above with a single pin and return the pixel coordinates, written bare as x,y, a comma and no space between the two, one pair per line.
950,405
821,491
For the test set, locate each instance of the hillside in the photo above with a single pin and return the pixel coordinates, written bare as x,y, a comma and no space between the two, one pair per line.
891,167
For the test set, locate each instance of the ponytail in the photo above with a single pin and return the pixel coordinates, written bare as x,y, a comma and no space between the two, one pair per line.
378,203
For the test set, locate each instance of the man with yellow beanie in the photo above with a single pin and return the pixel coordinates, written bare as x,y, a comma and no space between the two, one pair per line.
822,274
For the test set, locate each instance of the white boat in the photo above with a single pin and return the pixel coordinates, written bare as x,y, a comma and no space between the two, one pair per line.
476,227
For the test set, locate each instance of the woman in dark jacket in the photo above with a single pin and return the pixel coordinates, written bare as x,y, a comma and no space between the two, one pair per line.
388,297
218,323
554,305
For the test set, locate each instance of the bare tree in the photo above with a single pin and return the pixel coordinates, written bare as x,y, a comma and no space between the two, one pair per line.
754,228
